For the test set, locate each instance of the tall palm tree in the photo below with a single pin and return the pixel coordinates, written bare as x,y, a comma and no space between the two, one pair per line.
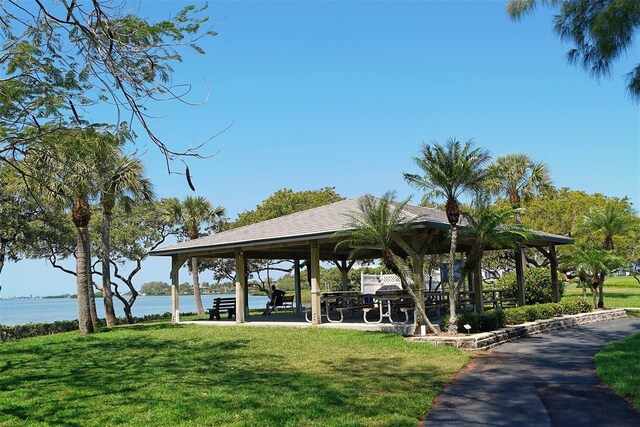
448,172
62,174
519,178
374,227
191,214
121,179
612,220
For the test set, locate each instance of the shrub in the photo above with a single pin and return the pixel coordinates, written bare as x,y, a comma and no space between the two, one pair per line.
496,319
537,286
576,305
570,306
480,322
515,316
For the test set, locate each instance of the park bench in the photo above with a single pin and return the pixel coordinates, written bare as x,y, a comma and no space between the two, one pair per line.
285,303
220,305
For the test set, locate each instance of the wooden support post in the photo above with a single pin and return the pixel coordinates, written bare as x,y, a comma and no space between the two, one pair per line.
417,258
296,281
175,283
520,262
478,299
246,289
314,265
177,261
241,282
553,261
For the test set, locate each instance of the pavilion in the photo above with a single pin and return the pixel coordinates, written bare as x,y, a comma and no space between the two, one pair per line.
312,235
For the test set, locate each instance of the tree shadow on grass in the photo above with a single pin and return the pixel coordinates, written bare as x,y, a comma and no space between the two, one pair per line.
155,376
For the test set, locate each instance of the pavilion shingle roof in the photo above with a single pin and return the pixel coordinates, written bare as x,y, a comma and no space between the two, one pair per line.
320,221
323,221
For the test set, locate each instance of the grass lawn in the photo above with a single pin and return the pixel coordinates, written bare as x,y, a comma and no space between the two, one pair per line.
621,282
160,374
618,364
613,297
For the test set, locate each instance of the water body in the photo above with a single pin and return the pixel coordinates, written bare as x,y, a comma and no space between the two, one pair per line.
20,311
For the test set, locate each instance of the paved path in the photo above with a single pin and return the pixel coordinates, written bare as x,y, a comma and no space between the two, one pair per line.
545,380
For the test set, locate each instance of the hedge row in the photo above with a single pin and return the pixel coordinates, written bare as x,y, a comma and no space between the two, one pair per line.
10,333
495,319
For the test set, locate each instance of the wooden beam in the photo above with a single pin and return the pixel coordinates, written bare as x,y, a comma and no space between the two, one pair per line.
316,312
296,281
477,289
543,252
241,296
520,261
344,266
413,253
553,261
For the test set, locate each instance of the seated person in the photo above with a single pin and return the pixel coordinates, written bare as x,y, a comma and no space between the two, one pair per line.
275,299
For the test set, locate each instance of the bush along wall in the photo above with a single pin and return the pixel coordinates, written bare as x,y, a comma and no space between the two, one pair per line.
15,332
491,320
537,286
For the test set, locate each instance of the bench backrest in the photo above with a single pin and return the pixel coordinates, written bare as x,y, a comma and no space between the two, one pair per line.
287,299
224,302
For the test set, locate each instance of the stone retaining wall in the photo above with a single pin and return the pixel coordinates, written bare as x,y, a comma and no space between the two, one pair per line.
486,340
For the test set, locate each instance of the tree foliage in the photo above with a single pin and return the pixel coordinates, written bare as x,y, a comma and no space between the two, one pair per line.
63,60
377,225
600,30
284,202
518,177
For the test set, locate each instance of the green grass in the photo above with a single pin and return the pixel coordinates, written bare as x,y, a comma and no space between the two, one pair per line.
160,374
618,365
621,282
613,297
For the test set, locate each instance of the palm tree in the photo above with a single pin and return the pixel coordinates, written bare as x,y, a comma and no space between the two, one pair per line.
62,173
121,179
519,178
191,214
488,228
448,172
595,264
374,227
612,220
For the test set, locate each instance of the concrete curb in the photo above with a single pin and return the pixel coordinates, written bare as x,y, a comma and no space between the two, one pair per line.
487,340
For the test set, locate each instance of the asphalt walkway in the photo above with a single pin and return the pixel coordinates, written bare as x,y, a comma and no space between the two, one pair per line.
545,380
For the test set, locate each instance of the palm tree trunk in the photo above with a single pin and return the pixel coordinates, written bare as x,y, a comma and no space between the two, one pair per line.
82,278
90,291
105,250
600,291
424,320
453,288
196,285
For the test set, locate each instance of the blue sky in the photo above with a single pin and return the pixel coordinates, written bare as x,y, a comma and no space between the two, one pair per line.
343,94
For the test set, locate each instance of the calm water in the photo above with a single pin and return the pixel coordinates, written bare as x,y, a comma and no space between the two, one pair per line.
15,312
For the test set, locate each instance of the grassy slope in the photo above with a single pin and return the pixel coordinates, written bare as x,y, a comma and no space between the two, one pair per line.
194,375
618,364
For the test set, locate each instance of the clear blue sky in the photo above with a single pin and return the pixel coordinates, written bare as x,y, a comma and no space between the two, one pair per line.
333,93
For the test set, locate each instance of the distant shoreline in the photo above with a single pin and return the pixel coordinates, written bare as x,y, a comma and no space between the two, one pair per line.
69,296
